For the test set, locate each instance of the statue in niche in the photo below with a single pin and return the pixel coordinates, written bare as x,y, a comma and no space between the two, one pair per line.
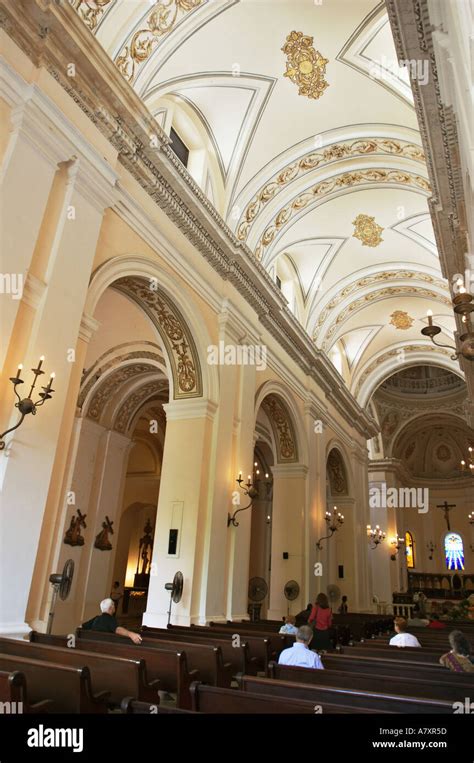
145,549
102,539
73,536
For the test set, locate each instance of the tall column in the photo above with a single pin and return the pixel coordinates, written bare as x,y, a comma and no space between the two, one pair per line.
184,506
239,537
54,328
289,508
362,578
316,573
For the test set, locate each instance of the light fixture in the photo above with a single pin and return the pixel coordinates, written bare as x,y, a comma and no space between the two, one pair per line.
333,521
397,544
251,488
26,405
471,518
375,536
463,305
467,466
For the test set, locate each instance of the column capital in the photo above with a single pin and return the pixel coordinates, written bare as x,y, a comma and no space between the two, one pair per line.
88,327
234,325
289,471
193,408
33,291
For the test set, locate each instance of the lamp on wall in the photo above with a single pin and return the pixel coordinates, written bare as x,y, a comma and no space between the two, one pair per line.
251,488
375,536
397,544
26,405
463,305
333,521
471,518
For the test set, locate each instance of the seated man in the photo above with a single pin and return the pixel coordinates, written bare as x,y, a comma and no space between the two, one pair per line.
299,654
107,623
289,627
402,638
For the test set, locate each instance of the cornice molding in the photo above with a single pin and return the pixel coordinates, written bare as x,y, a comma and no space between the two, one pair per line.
49,33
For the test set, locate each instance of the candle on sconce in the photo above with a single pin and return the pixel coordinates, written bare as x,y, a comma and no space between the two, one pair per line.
18,373
429,313
40,362
462,290
51,379
266,476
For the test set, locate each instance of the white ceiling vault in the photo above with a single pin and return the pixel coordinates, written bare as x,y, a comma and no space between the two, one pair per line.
294,176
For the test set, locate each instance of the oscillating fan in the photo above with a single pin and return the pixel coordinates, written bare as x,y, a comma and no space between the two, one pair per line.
62,582
291,591
176,590
258,589
334,594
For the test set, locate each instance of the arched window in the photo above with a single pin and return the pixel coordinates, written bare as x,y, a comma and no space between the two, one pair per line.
454,551
410,550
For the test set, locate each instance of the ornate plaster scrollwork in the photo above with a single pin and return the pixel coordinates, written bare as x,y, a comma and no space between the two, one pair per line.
282,429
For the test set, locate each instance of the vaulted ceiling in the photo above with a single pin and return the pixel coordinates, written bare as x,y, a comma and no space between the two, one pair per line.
311,154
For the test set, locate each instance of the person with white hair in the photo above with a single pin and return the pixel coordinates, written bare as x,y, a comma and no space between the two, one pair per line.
106,622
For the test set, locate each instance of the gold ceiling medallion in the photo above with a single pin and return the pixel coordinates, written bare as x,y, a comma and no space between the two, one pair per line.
305,66
401,320
160,22
367,230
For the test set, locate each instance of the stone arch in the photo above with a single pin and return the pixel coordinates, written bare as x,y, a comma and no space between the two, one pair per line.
181,330
287,429
386,364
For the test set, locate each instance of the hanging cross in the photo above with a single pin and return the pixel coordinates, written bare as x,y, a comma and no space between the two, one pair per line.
447,508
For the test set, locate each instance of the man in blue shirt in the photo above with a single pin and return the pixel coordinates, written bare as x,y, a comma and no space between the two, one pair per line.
299,654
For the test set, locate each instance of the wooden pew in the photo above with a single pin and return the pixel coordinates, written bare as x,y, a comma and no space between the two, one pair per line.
169,667
116,675
413,654
203,657
69,689
403,685
13,690
131,706
257,648
357,699
262,647
238,657
210,699
386,668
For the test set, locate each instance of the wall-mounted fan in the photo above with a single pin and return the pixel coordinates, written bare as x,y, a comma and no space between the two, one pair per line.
291,591
176,590
334,594
258,589
61,582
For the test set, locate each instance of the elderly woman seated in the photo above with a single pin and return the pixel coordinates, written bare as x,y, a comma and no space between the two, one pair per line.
459,659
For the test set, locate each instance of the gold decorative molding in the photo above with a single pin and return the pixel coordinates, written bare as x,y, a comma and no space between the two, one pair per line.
282,429
159,23
176,336
131,405
367,299
383,277
367,230
331,185
305,66
317,159
337,473
91,11
111,384
401,320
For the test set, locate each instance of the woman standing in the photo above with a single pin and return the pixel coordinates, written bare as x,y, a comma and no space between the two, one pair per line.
321,616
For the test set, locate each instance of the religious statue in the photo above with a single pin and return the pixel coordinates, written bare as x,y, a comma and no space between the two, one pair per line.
102,539
73,536
145,546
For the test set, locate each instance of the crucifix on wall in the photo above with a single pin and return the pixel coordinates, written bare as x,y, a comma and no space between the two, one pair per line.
446,508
